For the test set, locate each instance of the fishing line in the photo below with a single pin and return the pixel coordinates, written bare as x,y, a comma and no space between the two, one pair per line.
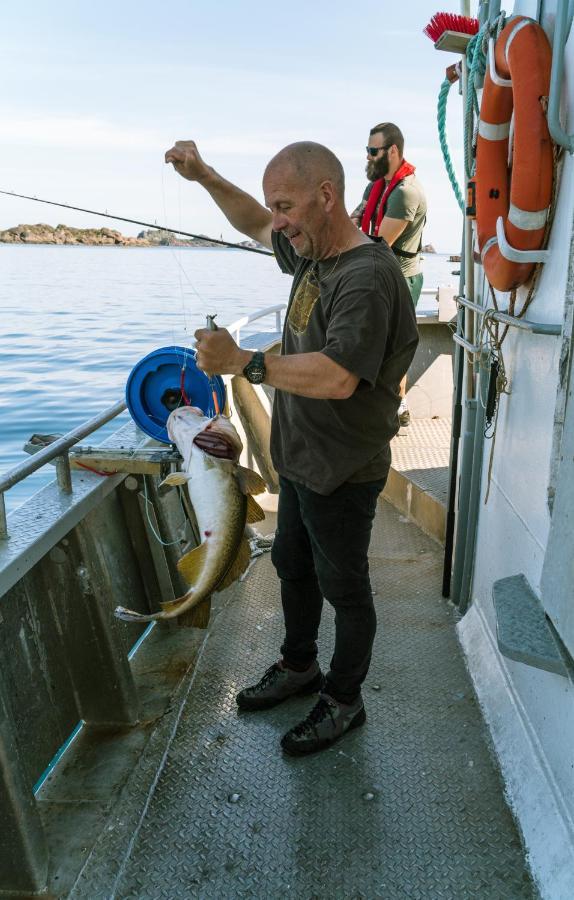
213,408
181,270
155,226
171,246
181,529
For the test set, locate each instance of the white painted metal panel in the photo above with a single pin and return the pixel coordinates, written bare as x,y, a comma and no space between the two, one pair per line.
558,572
530,711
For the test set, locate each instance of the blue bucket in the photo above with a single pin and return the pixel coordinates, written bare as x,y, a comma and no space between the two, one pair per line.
153,389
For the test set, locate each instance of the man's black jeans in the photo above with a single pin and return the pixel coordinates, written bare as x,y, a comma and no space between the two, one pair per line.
320,550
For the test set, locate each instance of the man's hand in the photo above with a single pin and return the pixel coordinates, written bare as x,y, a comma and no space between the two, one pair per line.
241,210
218,354
186,160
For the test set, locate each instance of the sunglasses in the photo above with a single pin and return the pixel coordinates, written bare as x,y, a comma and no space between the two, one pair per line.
373,151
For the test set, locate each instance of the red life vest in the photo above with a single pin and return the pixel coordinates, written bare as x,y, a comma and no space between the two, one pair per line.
377,189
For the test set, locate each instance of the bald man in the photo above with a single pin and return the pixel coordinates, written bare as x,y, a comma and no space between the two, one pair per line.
350,334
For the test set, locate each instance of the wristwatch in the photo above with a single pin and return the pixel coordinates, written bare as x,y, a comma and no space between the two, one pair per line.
255,370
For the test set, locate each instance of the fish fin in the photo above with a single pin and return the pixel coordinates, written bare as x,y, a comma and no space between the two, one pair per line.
197,616
238,566
189,612
250,482
174,479
254,511
171,606
192,562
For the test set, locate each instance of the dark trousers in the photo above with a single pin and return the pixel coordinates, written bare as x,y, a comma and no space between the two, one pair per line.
320,550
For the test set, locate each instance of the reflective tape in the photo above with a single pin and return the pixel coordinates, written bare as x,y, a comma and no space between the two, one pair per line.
527,221
514,32
489,244
495,77
494,132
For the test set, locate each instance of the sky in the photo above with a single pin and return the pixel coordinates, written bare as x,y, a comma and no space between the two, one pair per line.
94,94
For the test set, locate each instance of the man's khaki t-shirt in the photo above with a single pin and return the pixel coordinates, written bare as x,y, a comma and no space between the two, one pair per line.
357,310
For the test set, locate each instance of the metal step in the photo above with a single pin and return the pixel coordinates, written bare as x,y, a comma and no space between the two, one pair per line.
522,630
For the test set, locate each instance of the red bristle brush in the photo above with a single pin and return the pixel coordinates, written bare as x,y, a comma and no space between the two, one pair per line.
443,21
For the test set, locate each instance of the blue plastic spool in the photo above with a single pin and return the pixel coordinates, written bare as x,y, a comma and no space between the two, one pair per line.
153,389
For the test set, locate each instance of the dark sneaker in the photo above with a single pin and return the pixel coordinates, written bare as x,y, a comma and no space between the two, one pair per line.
278,684
404,417
326,722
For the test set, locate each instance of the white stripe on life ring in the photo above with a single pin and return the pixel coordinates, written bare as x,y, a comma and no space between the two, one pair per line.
494,132
488,245
527,221
514,32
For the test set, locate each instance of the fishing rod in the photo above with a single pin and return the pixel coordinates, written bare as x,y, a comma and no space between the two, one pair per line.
106,215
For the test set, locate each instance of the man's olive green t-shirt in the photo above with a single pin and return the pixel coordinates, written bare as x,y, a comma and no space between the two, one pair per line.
357,310
407,201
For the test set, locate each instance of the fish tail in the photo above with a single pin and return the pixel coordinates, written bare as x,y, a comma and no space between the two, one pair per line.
170,609
130,615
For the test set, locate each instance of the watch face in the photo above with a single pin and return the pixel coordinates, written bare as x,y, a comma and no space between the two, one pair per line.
255,374
254,371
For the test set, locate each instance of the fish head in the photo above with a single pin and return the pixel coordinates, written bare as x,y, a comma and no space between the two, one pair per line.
188,427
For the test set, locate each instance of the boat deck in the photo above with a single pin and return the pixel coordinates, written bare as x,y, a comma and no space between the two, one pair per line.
409,806
421,453
419,477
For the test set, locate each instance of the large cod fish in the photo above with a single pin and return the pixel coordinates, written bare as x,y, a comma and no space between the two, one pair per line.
220,491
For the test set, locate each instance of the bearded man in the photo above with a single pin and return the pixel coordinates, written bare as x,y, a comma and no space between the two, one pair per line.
394,208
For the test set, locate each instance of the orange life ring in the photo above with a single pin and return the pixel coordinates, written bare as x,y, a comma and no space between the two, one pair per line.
522,195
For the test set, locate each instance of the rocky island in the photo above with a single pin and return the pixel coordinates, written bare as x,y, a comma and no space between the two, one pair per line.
65,234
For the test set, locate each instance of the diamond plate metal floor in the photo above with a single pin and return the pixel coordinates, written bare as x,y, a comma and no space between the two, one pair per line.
421,453
410,806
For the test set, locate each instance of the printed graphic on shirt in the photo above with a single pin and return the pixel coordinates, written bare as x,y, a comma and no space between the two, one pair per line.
305,298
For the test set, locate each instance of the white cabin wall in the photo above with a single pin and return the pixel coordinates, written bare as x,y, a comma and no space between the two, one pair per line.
514,524
530,711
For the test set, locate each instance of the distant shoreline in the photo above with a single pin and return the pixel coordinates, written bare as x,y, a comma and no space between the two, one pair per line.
66,236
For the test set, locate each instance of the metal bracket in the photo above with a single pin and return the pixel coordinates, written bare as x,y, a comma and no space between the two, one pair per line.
453,41
133,461
469,304
514,255
472,348
500,316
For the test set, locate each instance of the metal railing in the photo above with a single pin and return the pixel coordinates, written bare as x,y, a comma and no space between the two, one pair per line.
277,309
236,327
548,328
57,450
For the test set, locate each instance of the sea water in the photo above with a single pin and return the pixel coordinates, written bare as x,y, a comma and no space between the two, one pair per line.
75,320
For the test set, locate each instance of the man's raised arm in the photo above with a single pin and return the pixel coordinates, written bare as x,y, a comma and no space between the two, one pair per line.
241,209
